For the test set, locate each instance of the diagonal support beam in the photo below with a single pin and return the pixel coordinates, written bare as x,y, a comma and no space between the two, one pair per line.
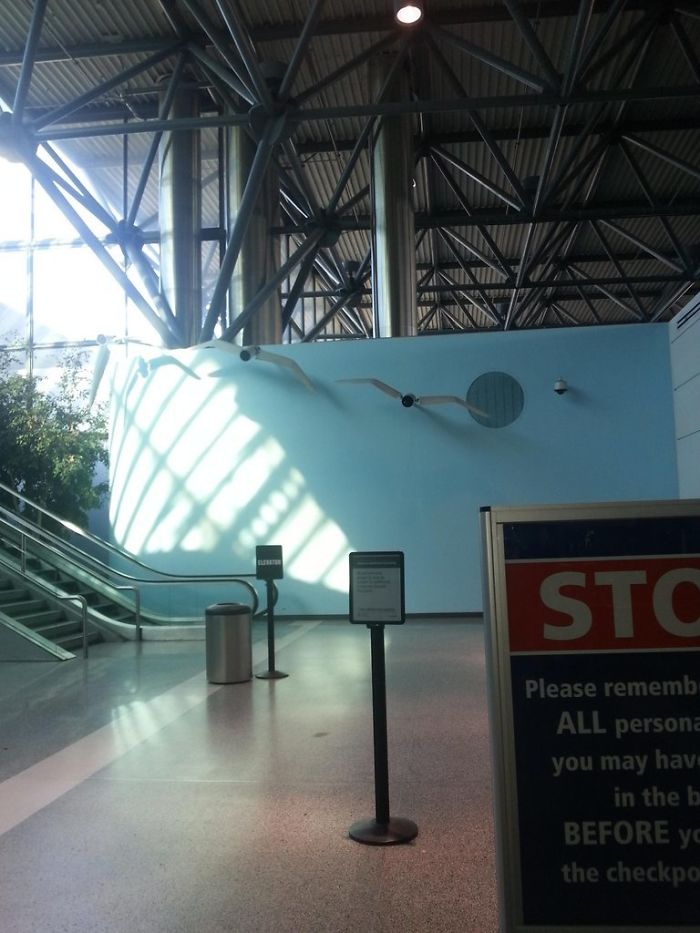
646,247
369,126
660,153
163,112
532,41
488,58
233,18
300,49
381,46
477,177
298,256
25,74
297,288
479,124
261,161
168,330
96,92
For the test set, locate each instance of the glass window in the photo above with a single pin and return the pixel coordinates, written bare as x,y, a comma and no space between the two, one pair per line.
75,297
13,295
15,197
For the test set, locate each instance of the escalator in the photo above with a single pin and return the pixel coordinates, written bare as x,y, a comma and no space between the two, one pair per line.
61,591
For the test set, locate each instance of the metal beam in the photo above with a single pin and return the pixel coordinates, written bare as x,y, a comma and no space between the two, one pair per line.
488,58
301,48
165,108
446,105
60,112
650,250
28,59
478,178
297,257
660,153
233,18
167,330
531,39
258,169
484,133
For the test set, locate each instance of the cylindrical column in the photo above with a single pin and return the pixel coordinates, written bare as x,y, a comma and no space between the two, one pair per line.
258,260
180,219
393,227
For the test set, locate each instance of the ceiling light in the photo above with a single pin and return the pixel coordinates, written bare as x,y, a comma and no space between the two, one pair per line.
408,12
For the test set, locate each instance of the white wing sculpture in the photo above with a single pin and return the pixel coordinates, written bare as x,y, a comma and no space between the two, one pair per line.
256,353
408,400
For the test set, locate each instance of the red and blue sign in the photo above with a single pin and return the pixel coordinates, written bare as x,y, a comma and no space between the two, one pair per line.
598,630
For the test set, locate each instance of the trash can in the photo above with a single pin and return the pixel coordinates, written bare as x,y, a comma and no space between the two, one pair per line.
228,642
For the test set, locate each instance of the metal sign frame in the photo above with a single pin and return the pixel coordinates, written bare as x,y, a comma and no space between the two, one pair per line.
268,562
378,599
507,718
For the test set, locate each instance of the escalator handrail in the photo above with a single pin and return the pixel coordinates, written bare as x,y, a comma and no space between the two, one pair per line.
115,549
102,571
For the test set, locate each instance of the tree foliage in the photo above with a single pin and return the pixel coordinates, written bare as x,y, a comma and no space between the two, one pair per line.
51,442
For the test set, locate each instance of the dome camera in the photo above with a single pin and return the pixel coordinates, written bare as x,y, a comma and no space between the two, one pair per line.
560,386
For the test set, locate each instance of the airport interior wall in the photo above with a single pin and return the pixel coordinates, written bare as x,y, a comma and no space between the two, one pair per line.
211,455
684,335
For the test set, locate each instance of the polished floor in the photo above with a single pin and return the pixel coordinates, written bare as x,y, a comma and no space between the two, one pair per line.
137,798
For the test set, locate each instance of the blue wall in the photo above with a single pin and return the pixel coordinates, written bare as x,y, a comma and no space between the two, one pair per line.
684,334
203,469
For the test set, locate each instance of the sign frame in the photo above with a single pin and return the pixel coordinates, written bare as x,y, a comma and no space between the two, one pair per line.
269,553
505,716
392,611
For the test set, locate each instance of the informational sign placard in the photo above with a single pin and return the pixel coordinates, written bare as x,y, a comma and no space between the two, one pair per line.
377,587
268,562
594,660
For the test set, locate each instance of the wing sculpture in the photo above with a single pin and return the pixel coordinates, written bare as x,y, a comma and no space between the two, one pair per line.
408,400
445,399
255,353
378,384
101,360
146,367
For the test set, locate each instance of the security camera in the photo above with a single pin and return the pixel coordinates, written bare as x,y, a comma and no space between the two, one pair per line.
560,386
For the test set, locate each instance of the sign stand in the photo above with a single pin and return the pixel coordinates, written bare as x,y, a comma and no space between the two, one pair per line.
268,567
377,587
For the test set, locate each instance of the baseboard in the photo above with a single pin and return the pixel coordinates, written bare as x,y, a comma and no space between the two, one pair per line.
410,616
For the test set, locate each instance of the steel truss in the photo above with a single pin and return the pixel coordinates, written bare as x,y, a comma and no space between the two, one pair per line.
498,246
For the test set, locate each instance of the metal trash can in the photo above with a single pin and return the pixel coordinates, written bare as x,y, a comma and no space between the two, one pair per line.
229,645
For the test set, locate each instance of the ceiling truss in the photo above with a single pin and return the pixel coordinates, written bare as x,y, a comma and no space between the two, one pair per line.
518,218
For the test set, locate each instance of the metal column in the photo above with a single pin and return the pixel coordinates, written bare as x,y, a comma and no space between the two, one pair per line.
259,258
180,219
393,234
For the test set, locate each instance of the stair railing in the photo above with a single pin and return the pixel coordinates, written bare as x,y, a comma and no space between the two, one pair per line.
119,552
29,531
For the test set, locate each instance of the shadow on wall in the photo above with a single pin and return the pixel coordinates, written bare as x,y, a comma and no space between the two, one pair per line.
197,483
211,456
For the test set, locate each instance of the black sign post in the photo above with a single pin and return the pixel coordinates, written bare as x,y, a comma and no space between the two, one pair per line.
376,598
269,567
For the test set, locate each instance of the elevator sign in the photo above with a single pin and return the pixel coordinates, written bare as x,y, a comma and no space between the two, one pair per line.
594,657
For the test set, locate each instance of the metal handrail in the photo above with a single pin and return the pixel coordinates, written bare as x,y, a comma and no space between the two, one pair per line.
83,613
51,543
108,546
61,546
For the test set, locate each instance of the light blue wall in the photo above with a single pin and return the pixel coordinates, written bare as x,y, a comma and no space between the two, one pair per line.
203,469
684,334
